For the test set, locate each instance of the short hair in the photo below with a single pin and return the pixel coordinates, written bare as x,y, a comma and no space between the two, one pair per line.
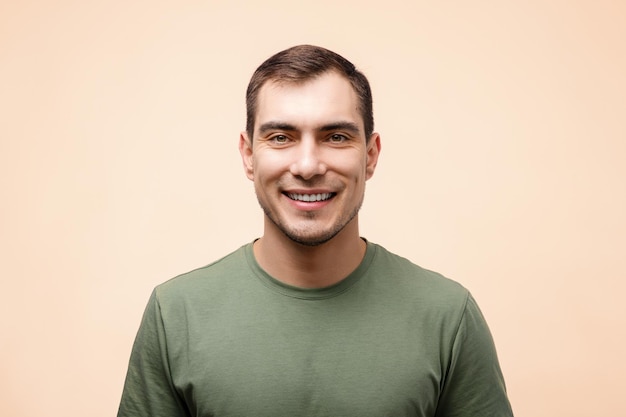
302,63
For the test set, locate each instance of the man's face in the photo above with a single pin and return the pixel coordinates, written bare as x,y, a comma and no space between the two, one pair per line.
309,159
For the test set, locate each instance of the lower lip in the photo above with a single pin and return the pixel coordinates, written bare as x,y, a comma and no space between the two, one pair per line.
309,205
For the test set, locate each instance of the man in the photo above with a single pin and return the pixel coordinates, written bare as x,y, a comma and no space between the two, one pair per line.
311,319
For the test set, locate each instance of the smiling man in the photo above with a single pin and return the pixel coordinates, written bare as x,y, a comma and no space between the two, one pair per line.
311,319
309,156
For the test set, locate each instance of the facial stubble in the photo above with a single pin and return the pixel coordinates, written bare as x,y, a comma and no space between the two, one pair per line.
300,236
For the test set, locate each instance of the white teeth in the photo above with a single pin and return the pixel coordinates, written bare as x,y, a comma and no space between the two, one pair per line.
310,197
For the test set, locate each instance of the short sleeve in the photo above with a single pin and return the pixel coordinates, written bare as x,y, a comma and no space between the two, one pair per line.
148,389
473,385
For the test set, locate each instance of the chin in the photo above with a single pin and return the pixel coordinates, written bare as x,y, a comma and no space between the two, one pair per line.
309,241
312,239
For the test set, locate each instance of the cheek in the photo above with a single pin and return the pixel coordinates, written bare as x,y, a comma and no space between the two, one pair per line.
269,176
349,163
268,164
352,169
278,159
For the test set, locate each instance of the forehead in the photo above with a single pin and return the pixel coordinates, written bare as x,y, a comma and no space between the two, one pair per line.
325,99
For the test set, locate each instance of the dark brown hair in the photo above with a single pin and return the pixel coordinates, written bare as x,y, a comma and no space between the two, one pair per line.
302,63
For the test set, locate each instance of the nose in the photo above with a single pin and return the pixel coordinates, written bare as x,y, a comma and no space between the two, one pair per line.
308,161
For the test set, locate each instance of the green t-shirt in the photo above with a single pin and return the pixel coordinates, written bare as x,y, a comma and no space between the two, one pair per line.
391,339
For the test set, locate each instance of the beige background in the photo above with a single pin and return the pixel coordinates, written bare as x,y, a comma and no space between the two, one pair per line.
504,142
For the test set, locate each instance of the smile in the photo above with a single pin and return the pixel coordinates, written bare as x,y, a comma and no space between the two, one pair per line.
310,197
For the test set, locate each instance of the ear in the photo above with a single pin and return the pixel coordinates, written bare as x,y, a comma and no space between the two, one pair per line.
373,151
245,149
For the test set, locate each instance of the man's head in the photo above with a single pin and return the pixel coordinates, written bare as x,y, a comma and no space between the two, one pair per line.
308,149
300,64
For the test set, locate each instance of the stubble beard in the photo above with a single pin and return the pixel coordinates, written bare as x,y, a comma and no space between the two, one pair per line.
304,236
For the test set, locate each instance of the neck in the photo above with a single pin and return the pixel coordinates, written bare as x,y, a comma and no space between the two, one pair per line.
311,266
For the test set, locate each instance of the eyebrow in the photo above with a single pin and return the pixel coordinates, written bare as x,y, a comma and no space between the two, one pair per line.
266,127
348,126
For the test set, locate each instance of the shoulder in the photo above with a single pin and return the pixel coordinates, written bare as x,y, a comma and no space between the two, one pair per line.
214,278
395,271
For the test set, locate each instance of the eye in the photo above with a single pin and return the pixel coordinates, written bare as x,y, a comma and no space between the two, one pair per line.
280,139
337,138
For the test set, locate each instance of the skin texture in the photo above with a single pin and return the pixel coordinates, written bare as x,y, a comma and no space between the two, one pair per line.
309,139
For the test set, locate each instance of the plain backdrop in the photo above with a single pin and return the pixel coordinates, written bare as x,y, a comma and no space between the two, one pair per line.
503,166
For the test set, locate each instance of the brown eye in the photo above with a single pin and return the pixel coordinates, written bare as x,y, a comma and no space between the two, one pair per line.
280,139
337,138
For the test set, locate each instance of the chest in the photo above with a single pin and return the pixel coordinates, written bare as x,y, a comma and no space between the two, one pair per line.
309,360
